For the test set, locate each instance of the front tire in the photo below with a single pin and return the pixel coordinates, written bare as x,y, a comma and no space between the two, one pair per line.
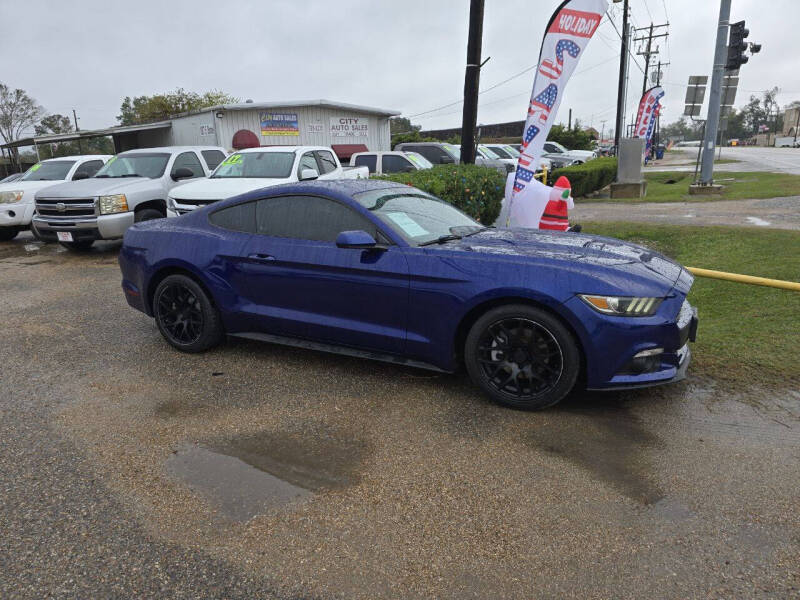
147,214
185,315
522,357
8,233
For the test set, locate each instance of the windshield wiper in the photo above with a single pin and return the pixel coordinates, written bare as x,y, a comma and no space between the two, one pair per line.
126,175
99,176
441,239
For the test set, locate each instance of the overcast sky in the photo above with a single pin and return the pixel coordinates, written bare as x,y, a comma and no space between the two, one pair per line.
408,55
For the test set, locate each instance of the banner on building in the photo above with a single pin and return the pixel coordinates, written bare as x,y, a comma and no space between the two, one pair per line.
646,116
568,32
279,124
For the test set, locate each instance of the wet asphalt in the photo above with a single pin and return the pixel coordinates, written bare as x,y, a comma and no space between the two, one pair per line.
128,469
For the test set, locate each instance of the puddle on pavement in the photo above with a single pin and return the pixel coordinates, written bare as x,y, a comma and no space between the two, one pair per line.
600,435
250,475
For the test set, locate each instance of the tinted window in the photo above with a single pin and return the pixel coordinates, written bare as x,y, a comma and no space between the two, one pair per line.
307,162
136,164
392,163
433,153
241,217
500,152
50,170
90,168
308,218
327,161
213,158
367,160
189,160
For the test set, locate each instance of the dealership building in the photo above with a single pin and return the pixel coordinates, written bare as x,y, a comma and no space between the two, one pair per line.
347,128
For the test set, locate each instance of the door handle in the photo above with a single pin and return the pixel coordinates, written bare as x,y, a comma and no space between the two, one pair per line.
261,257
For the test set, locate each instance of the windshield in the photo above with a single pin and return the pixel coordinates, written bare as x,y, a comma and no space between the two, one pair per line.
454,150
559,146
489,153
140,164
415,216
500,152
51,170
512,151
270,165
419,160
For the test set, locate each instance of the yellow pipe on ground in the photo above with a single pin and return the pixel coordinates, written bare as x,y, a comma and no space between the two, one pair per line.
775,283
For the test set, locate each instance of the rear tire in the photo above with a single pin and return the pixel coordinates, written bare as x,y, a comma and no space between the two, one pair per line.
147,214
8,233
522,357
79,246
185,315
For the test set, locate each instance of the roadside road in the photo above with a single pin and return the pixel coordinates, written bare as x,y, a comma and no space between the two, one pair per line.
750,158
778,213
128,469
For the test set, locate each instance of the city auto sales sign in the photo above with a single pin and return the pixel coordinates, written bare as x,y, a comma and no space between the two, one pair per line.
349,127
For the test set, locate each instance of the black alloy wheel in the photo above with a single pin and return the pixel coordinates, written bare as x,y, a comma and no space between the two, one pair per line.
185,315
522,357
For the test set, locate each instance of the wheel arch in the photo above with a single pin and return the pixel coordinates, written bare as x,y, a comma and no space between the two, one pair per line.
544,303
159,205
175,269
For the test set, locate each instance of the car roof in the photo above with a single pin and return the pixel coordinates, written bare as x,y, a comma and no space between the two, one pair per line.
421,144
171,149
284,149
77,157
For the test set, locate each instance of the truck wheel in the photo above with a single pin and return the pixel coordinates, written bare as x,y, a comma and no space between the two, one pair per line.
8,233
147,214
522,356
185,315
79,245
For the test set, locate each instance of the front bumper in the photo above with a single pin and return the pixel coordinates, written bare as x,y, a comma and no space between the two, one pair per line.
103,227
16,215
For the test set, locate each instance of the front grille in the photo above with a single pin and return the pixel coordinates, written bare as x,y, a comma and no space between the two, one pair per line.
195,202
65,207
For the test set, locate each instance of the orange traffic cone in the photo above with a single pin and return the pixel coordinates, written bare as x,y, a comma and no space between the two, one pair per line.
555,213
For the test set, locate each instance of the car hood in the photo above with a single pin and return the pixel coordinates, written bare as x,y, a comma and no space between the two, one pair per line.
581,153
28,187
222,188
98,186
571,247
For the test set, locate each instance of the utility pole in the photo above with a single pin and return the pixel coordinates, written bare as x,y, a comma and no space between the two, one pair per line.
602,129
715,94
471,82
569,122
75,116
648,50
623,68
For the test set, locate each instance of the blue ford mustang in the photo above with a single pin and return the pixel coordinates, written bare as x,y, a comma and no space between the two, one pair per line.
386,271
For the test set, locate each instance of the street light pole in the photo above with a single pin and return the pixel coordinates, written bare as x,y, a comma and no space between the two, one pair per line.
715,93
472,82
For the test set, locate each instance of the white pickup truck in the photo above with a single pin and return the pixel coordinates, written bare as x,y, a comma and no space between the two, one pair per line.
256,168
131,187
16,197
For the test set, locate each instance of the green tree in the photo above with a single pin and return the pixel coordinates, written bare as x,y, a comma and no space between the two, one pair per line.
399,125
143,109
55,124
18,113
574,138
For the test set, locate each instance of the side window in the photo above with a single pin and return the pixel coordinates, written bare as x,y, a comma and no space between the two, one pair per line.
89,167
213,158
308,218
392,163
367,160
327,161
307,161
433,154
241,217
188,160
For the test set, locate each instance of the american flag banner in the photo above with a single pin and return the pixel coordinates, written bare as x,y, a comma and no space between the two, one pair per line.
646,116
567,33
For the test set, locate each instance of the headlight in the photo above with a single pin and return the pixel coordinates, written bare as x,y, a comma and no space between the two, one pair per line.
11,197
623,306
113,204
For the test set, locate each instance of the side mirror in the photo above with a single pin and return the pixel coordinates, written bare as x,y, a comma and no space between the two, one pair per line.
307,174
80,175
357,239
182,173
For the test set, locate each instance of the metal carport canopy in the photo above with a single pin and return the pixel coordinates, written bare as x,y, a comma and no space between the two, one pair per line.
86,133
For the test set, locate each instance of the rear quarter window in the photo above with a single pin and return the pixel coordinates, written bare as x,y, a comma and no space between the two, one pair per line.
240,217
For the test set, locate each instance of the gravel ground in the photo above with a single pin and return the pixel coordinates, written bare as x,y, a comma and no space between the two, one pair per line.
415,485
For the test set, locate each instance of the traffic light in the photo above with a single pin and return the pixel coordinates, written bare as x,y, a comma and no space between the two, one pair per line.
737,46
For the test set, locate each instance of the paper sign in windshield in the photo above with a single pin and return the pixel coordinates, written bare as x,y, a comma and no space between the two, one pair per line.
409,226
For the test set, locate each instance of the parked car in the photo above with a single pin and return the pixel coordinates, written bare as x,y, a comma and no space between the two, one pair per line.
12,177
130,188
554,149
440,153
509,155
557,161
17,196
390,162
256,168
385,271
